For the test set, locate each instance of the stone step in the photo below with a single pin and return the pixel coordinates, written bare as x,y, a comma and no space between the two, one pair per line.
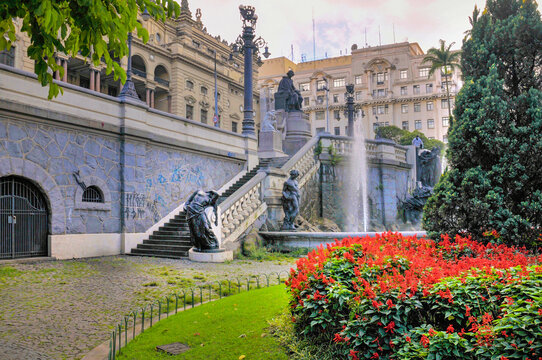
169,237
169,232
174,228
160,247
159,253
177,222
167,242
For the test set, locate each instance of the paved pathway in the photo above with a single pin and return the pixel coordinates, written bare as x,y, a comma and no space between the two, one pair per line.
63,309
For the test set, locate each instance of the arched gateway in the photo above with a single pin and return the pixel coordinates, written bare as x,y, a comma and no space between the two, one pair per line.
24,219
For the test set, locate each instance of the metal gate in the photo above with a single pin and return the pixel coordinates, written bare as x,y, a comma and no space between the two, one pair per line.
23,219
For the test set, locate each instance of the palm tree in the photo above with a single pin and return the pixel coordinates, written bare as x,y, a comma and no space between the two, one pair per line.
440,58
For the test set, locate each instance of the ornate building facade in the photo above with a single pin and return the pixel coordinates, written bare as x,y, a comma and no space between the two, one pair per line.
173,72
392,87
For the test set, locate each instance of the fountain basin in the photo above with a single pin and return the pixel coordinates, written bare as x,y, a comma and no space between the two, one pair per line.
305,239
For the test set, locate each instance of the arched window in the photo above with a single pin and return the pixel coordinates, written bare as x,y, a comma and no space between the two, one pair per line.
7,57
93,194
189,85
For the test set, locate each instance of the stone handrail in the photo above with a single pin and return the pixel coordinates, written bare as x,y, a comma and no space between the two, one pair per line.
343,146
242,208
303,161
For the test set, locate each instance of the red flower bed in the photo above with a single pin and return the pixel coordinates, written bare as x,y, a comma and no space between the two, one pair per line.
376,297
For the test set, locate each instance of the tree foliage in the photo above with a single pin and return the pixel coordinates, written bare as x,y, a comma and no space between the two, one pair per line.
97,29
405,137
447,60
495,145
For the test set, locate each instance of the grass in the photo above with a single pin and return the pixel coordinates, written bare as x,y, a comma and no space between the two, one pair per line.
230,328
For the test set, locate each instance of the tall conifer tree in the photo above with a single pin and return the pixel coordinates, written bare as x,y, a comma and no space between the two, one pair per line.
495,144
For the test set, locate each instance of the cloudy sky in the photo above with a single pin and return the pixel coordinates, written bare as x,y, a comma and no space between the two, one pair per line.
340,23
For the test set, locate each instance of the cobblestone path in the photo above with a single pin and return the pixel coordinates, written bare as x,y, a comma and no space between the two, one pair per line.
63,309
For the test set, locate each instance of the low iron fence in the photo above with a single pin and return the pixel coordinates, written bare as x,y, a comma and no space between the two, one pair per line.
137,321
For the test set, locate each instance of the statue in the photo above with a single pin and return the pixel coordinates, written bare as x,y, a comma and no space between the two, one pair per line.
429,166
287,96
269,121
290,201
202,237
413,204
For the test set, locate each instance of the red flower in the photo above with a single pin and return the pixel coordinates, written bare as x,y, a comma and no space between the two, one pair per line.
390,304
467,310
424,341
390,327
375,356
450,329
353,355
408,339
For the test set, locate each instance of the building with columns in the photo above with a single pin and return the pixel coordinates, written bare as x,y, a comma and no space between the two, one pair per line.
173,72
392,87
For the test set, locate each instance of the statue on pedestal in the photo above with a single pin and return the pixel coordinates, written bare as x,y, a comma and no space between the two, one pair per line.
429,163
202,236
290,201
287,96
269,122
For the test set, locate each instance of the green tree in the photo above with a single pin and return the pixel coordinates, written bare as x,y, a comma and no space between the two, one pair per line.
495,146
446,60
405,137
97,29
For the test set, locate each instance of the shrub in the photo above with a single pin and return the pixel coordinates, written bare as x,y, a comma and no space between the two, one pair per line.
395,297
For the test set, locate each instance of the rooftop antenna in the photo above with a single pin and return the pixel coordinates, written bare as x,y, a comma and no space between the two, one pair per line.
313,36
366,45
379,37
394,33
292,48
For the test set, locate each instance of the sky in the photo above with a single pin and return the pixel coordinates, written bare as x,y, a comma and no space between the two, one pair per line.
340,23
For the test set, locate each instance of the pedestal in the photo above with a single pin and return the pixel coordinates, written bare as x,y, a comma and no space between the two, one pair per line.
214,256
298,132
270,145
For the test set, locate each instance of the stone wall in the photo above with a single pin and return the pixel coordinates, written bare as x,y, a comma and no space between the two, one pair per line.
157,178
310,202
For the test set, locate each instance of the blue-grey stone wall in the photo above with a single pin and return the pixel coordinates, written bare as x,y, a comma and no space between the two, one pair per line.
157,178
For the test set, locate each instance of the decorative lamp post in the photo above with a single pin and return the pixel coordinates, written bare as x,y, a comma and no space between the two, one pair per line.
247,45
128,90
350,108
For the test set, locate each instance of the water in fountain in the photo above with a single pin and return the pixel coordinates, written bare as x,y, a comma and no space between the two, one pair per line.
356,201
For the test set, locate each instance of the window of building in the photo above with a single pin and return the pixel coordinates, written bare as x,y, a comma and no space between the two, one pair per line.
416,89
320,115
443,103
374,110
204,90
443,86
429,106
203,116
234,126
304,86
320,85
404,125
380,93
445,121
218,96
404,90
338,82
346,130
424,72
93,194
358,79
404,74
320,99
404,108
417,107
445,139
336,114
320,130
337,130
306,101
84,82
358,95
418,124
7,57
382,109
189,112
430,123
381,77
335,98
428,88
189,85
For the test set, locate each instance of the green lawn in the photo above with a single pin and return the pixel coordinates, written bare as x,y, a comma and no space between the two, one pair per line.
223,329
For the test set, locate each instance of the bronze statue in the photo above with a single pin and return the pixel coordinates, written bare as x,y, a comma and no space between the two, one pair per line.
202,237
290,201
287,96
429,162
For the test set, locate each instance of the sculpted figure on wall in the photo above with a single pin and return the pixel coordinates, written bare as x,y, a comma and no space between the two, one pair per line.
202,236
290,200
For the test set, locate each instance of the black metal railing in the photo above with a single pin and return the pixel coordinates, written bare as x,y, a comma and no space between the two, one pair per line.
161,81
138,72
134,323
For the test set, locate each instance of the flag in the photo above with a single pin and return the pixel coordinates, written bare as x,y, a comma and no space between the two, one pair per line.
215,120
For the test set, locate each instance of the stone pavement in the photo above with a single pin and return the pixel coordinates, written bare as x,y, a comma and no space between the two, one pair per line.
63,309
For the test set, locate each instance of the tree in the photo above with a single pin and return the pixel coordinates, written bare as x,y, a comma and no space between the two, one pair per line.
97,29
405,137
495,146
446,59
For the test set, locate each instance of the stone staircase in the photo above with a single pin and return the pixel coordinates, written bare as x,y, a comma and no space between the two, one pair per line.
172,240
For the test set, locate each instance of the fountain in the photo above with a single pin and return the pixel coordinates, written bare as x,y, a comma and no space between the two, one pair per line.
356,200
